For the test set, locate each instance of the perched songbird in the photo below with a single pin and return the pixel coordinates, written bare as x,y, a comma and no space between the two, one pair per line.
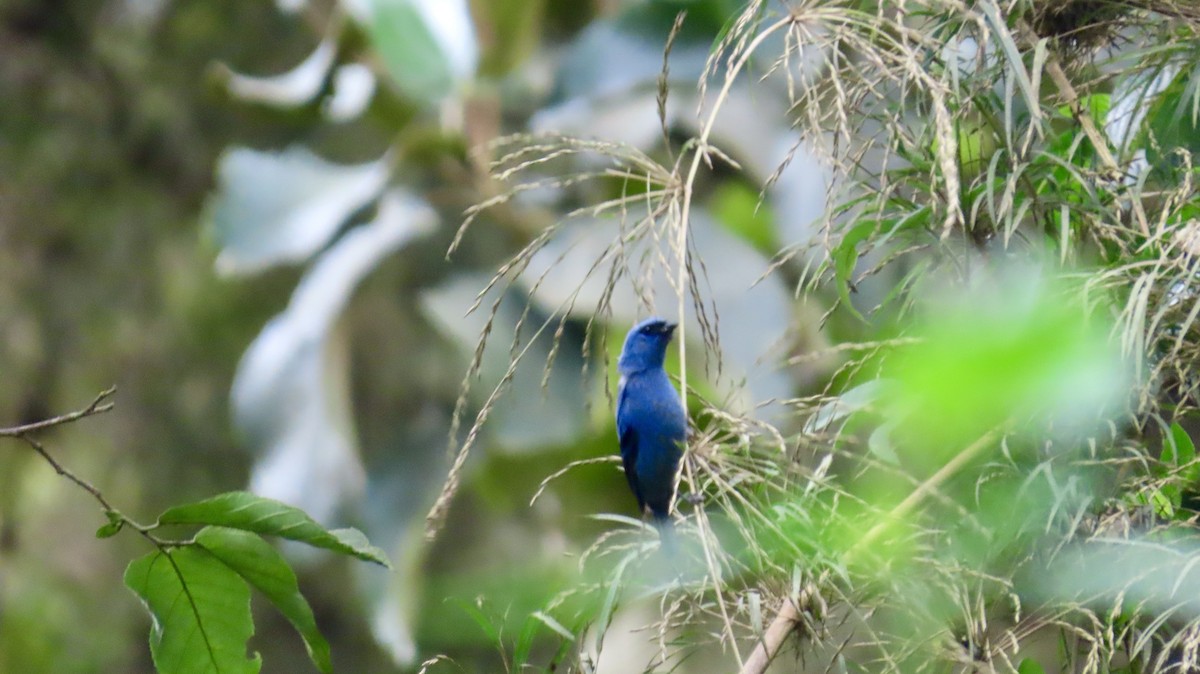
651,422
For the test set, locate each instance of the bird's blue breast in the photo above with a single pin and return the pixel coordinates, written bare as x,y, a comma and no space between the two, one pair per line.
652,425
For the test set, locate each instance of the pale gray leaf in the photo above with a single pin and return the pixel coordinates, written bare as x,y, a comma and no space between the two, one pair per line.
292,89
754,311
353,88
853,400
281,207
528,417
291,392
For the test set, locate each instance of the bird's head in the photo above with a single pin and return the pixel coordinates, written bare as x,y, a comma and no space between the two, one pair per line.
645,346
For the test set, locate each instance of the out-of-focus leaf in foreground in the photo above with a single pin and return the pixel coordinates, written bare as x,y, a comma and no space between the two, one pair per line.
1012,350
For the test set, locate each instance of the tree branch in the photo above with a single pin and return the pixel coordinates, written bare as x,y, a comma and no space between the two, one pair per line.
98,406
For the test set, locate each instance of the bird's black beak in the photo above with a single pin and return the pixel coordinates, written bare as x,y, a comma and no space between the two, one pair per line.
669,328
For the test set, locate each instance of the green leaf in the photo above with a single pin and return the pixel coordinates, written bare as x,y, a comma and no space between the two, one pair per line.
1178,451
1030,666
264,568
525,639
410,51
201,612
742,212
845,257
1016,65
1034,355
114,526
1165,501
476,613
880,444
249,512
1172,123
1181,443
529,631
554,625
1167,457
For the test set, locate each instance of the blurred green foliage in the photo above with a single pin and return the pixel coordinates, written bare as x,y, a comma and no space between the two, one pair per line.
239,213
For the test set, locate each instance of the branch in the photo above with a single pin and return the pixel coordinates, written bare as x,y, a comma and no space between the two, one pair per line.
98,406
772,641
117,519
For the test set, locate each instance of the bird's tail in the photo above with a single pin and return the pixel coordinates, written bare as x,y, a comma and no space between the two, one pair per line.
666,533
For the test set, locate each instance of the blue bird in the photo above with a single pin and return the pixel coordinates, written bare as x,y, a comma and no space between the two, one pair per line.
651,422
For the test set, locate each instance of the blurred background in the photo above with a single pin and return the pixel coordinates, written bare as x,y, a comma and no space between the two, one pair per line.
238,213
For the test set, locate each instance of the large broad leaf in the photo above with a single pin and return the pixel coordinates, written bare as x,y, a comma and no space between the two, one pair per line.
264,568
755,311
274,208
428,46
291,393
1151,575
607,84
531,416
353,88
245,511
201,612
399,495
617,55
854,400
294,88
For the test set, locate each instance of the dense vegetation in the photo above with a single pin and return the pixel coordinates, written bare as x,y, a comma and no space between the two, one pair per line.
935,261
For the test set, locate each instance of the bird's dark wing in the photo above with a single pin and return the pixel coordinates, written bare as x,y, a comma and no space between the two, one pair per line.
627,436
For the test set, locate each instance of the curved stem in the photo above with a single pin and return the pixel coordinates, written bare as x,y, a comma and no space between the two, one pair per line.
25,432
700,153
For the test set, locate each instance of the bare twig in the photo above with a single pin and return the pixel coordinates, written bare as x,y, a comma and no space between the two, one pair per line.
58,468
98,406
